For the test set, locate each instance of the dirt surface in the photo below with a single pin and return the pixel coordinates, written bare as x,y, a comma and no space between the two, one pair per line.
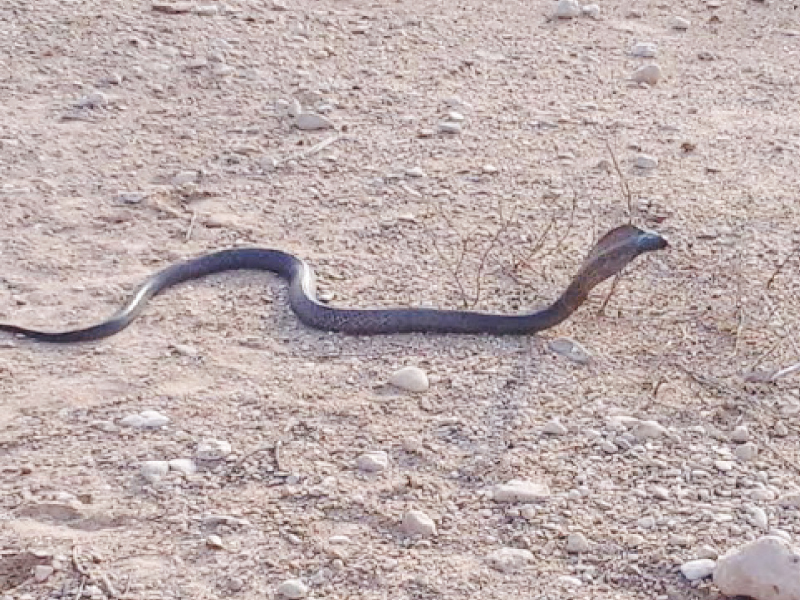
132,137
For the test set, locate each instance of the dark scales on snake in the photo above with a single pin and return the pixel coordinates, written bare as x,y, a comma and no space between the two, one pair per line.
609,256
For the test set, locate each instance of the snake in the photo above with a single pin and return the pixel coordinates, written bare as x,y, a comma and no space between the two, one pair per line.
608,257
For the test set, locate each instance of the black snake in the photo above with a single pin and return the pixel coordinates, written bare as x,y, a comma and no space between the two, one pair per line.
607,258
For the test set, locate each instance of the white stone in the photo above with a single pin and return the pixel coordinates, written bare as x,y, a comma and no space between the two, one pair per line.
644,50
415,172
509,560
570,349
646,161
373,461
450,127
591,10
416,522
577,543
645,430
411,379
519,490
698,569
42,573
132,421
93,100
183,465
724,465
746,452
567,9
790,500
312,122
679,23
649,74
212,450
131,197
153,419
185,177
153,470
554,428
766,569
646,522
759,517
293,588
660,492
740,434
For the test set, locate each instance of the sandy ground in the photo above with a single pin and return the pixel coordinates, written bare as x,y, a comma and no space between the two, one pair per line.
103,104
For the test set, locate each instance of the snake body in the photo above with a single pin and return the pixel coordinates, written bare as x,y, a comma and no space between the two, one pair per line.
608,257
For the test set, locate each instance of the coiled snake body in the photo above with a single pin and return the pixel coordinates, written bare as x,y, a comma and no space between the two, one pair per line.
608,257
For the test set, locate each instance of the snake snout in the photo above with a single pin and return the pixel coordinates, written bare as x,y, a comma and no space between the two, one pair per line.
649,241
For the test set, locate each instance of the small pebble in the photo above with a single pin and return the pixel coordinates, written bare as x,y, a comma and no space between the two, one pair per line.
740,434
93,100
293,588
213,450
723,465
451,127
646,161
567,9
554,428
646,430
758,517
416,522
649,74
591,10
42,573
746,451
131,197
313,122
644,50
646,522
215,542
679,23
570,349
698,569
509,560
411,379
415,172
373,462
185,177
660,492
185,466
577,543
153,470
518,490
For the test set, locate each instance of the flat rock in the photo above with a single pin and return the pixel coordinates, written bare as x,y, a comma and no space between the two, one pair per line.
518,490
373,461
416,522
153,470
293,588
766,569
646,430
509,560
212,450
312,122
567,9
570,349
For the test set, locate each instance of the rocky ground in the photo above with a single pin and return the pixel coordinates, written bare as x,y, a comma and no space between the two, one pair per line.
448,153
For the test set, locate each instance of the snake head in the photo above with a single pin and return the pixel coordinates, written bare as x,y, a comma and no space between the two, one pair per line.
615,250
